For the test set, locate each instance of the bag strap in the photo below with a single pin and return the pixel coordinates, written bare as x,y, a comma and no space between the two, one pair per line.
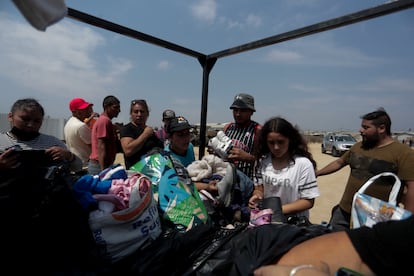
395,188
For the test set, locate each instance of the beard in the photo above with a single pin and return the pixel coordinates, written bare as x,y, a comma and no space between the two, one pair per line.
24,135
369,142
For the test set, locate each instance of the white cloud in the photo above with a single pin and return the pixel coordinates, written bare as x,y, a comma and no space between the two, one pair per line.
276,55
230,24
62,59
163,65
321,51
253,20
250,21
306,88
205,10
397,85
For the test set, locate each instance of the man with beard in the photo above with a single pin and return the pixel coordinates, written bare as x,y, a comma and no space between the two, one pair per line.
377,152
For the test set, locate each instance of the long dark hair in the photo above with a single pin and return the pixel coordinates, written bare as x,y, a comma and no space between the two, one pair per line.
297,143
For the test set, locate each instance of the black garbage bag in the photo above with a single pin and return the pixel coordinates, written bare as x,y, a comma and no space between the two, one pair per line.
171,254
44,230
255,247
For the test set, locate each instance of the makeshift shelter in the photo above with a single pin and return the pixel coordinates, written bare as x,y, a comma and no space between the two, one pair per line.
207,61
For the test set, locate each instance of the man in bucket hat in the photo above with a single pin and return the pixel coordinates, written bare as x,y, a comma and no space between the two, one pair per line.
245,101
243,132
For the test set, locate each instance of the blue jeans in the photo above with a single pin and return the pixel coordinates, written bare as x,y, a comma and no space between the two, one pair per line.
245,185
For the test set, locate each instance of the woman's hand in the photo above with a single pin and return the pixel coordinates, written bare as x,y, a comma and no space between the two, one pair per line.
254,200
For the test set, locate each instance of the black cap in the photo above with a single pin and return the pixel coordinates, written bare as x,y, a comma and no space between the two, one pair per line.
168,114
177,124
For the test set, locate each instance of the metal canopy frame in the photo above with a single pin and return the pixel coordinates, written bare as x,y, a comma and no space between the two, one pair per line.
208,61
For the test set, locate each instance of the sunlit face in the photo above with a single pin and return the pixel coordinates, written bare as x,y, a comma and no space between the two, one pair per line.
278,144
27,120
180,140
139,114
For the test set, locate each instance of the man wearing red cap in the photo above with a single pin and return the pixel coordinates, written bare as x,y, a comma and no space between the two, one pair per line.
77,129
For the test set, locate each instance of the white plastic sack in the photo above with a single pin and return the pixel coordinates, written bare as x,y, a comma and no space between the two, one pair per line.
121,233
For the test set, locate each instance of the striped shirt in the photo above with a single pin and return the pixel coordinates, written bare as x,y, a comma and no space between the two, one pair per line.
243,138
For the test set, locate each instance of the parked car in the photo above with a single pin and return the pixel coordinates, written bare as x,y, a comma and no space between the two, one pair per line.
337,144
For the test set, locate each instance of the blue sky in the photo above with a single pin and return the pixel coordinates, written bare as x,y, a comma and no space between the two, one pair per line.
324,81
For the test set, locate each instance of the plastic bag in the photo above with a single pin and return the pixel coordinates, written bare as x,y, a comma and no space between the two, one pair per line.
367,210
178,199
119,234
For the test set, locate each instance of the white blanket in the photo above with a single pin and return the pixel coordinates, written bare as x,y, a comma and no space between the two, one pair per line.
210,164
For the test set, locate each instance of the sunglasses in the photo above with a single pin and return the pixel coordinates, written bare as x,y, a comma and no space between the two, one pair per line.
139,101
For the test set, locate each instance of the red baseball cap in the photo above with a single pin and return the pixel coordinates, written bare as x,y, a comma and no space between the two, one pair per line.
78,104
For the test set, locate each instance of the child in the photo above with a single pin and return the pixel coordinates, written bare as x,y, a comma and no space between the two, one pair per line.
285,168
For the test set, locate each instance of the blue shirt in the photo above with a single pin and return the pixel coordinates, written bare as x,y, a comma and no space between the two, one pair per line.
185,160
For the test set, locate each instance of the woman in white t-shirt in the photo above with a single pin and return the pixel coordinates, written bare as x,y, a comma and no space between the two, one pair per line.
285,168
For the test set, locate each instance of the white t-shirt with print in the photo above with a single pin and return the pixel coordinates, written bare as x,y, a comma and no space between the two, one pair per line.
294,182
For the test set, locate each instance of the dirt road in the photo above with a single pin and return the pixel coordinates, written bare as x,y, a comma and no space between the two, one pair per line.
331,186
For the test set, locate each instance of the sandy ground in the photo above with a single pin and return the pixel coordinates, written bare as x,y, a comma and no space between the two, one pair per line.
331,186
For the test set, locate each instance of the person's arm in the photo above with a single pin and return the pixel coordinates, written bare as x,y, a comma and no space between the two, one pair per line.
409,196
211,186
102,153
62,153
307,189
88,120
326,254
288,270
331,167
241,155
298,205
256,197
130,146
